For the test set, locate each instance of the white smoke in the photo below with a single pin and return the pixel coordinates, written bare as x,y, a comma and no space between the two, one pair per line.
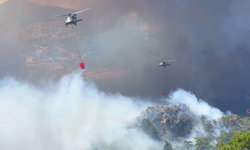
197,107
228,112
74,114
68,115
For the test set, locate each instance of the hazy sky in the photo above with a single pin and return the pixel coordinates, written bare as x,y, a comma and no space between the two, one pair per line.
209,40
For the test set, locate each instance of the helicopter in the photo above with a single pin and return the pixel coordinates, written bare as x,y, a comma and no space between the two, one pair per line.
71,17
164,63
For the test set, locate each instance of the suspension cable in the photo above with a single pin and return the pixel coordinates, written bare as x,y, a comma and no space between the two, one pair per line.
76,45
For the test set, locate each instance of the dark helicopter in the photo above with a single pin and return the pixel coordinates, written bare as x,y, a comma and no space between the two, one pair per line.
71,17
164,63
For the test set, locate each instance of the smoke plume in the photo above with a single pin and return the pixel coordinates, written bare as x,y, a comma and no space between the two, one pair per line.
71,114
74,114
197,107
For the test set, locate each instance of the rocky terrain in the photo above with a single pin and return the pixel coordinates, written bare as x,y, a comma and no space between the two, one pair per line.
170,121
179,125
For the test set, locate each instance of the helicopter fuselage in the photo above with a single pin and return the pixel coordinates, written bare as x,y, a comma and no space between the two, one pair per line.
71,20
164,64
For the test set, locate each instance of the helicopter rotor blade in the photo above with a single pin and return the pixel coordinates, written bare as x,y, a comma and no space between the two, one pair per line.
81,11
160,59
155,59
169,60
64,15
69,14
165,60
60,16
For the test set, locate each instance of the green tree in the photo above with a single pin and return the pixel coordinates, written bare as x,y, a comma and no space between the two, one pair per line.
203,119
215,122
208,127
179,139
148,127
232,120
167,146
226,137
240,141
216,146
187,145
153,133
203,143
178,148
227,147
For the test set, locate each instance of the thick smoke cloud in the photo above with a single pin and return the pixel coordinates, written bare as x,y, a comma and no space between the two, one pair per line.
198,107
209,40
71,114
74,114
201,113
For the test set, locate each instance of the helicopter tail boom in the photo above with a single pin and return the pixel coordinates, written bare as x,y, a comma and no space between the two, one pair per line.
79,20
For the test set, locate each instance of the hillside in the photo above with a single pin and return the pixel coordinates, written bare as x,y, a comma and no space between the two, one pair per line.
22,13
170,121
45,42
179,125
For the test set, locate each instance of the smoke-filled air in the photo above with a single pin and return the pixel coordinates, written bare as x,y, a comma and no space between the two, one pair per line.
124,75
70,114
74,114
